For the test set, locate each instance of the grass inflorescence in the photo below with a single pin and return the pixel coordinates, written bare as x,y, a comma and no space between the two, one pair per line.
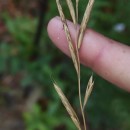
74,51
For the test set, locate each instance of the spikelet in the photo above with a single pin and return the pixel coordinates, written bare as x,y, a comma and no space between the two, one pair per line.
74,55
88,90
72,11
68,107
84,22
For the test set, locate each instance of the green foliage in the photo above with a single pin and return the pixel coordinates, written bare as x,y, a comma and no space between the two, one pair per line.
37,119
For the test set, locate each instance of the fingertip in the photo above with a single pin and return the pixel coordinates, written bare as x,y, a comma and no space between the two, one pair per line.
51,28
57,34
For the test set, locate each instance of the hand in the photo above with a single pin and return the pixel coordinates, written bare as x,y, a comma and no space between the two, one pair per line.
108,58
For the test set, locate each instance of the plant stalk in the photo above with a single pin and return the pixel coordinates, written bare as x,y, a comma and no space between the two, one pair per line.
80,101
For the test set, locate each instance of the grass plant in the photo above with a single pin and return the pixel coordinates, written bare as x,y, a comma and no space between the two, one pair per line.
74,51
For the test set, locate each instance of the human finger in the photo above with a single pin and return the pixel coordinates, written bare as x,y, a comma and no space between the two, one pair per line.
108,58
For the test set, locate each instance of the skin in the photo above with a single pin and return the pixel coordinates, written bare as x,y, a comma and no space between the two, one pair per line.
108,58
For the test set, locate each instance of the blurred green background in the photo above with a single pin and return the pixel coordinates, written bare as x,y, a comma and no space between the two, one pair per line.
28,62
